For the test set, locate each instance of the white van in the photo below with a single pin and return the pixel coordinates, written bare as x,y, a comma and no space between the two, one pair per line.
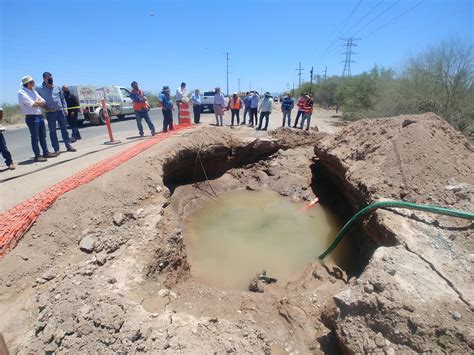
117,99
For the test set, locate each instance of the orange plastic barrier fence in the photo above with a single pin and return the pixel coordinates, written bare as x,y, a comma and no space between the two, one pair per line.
184,115
15,222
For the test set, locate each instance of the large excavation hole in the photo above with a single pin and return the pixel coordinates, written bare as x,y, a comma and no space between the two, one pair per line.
236,236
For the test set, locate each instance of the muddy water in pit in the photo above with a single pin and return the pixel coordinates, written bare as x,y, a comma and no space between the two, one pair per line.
232,238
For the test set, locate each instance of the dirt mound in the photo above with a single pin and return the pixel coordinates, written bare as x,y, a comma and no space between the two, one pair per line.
291,138
416,295
412,158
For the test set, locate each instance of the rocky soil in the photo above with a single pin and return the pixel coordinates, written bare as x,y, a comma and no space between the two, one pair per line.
106,270
416,293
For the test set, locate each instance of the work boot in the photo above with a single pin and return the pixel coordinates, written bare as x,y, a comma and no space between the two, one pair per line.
56,153
71,149
39,158
11,166
50,155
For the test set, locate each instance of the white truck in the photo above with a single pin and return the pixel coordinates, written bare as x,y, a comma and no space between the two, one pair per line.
117,99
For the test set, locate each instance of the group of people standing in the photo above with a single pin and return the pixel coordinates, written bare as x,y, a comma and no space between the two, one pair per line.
305,110
252,105
52,100
62,107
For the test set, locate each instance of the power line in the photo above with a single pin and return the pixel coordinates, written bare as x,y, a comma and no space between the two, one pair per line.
378,16
227,71
394,19
363,17
344,25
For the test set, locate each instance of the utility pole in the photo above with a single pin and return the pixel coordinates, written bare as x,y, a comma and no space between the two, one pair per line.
299,70
238,84
325,73
350,42
311,80
227,70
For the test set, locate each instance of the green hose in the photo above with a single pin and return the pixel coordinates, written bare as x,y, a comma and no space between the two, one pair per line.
398,204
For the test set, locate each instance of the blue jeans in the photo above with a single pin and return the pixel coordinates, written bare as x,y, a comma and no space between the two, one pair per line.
144,114
3,148
264,115
246,111
300,113
59,117
286,113
37,129
306,117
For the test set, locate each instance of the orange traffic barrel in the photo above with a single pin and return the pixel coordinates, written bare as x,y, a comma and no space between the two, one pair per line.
184,114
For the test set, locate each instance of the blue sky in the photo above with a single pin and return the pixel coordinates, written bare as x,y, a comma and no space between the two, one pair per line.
116,41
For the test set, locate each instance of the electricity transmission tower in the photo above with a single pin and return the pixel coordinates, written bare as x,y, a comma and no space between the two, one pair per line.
227,70
299,70
350,42
238,84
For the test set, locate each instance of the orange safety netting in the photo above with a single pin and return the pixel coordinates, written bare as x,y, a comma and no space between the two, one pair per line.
15,222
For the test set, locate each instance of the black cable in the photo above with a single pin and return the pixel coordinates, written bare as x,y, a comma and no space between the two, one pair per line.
377,17
365,16
394,19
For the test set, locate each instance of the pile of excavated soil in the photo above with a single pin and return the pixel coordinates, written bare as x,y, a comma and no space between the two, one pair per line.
416,293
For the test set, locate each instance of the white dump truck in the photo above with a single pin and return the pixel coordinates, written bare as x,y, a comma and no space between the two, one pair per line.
117,98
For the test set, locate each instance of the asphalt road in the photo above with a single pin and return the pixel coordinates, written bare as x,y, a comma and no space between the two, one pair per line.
19,143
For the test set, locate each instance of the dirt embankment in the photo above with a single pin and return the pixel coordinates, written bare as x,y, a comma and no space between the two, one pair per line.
416,295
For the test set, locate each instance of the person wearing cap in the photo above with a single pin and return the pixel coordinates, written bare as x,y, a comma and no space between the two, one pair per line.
266,107
72,113
308,111
235,104
247,103
141,108
219,104
287,105
253,108
300,104
196,100
56,111
31,105
167,108
3,145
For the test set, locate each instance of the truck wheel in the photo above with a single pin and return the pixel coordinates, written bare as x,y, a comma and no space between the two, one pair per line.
80,123
102,118
121,117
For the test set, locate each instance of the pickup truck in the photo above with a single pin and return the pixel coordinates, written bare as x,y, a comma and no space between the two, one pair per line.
117,99
207,101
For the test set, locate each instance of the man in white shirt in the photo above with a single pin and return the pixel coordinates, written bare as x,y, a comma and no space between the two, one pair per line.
180,93
31,105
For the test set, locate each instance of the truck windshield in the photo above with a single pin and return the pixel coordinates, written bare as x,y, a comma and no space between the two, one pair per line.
125,92
209,93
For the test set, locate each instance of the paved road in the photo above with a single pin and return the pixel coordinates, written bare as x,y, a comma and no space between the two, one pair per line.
19,144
